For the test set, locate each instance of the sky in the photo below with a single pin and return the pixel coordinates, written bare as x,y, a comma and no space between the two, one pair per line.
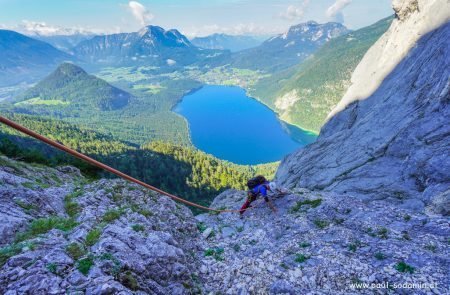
191,17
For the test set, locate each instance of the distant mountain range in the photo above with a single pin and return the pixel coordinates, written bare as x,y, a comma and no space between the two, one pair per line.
64,42
226,42
70,86
288,49
304,94
152,45
24,59
155,46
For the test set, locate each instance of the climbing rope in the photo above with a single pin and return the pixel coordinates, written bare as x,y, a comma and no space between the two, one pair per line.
104,166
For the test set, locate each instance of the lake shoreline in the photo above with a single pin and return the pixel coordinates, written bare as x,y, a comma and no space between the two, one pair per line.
249,95
219,126
312,132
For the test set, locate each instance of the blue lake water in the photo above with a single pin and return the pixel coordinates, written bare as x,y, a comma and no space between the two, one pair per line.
226,123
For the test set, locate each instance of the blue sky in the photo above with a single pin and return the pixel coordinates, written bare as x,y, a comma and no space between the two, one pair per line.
191,17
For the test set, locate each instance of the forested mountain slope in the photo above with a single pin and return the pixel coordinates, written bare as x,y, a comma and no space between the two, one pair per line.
303,95
75,90
178,169
134,115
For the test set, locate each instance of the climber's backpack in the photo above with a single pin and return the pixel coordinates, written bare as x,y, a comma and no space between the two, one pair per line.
255,181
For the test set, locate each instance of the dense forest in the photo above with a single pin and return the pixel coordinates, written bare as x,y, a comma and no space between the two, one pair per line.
181,170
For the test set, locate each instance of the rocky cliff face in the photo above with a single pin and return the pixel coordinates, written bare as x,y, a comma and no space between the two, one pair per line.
321,243
414,19
61,233
394,144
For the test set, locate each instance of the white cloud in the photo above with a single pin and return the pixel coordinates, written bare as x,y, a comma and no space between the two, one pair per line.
238,29
140,13
295,12
40,28
36,28
334,12
171,62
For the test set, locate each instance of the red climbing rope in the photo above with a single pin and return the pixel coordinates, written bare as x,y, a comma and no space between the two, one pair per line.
103,166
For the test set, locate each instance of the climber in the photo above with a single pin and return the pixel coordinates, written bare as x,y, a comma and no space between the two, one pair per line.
259,186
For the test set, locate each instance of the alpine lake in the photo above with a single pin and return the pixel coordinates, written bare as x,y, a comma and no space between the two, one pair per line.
226,123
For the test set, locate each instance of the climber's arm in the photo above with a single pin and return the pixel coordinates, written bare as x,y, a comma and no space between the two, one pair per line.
263,192
269,202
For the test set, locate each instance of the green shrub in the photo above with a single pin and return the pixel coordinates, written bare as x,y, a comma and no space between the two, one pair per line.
217,253
299,204
116,197
383,233
405,236
29,185
51,267
352,247
116,265
407,217
431,247
321,223
14,249
380,256
75,250
84,265
138,227
26,206
112,215
72,208
304,244
8,252
42,184
92,237
370,232
201,226
403,267
128,280
300,258
43,225
137,209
